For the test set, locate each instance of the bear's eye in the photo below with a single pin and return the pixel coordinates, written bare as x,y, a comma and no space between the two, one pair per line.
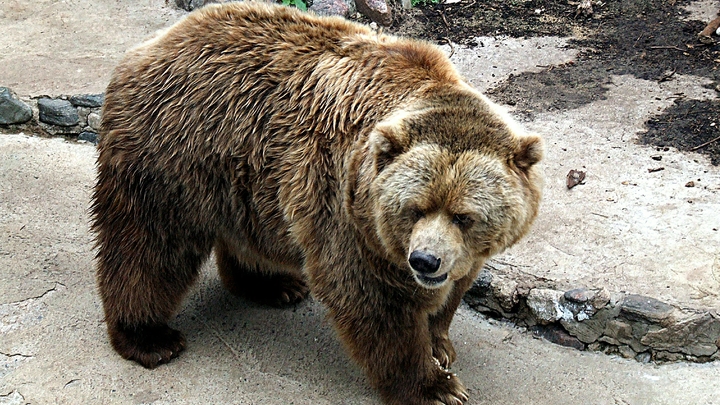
462,220
416,213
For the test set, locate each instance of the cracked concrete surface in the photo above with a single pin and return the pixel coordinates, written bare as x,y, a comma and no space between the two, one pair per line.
625,229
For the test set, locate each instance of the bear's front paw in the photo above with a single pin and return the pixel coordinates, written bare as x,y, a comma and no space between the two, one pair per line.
447,389
443,351
149,345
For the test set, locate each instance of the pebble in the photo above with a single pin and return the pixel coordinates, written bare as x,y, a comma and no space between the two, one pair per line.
579,295
93,121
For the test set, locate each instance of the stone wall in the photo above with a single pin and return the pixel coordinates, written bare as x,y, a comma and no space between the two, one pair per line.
76,116
630,325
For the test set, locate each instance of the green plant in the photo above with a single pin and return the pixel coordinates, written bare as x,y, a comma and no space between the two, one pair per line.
416,3
300,4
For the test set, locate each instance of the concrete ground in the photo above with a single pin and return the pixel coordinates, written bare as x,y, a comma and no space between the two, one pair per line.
626,229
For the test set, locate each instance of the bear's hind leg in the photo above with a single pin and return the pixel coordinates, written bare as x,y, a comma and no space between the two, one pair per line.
257,282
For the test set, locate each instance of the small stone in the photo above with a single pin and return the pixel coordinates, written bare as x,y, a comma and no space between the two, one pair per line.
88,100
574,177
88,136
545,305
601,298
12,110
579,295
557,335
646,308
626,352
656,157
93,121
342,8
643,357
58,112
690,184
376,10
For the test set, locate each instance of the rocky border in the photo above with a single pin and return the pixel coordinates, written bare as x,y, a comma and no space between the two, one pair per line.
76,116
379,11
632,326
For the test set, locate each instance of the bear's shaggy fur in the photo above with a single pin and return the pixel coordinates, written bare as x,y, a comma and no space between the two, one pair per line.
305,150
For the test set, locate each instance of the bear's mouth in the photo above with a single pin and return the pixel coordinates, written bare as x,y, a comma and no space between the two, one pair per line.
432,281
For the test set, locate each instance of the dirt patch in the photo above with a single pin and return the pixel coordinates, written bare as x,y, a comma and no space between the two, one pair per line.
555,89
689,125
649,39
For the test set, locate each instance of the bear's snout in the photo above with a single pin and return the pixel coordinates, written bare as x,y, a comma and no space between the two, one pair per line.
423,262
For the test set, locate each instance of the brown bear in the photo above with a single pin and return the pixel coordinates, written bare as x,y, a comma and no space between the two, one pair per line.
309,153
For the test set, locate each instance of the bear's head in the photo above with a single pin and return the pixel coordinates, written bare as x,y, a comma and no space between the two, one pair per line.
451,180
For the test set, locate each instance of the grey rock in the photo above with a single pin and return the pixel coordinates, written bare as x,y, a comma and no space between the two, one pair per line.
88,136
600,299
545,305
343,8
696,336
376,10
483,281
88,100
58,112
590,330
493,294
643,357
619,330
638,306
12,110
626,352
93,121
609,340
505,291
623,333
191,5
83,113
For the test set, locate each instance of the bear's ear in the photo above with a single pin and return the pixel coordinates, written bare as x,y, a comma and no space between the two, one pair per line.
385,145
529,151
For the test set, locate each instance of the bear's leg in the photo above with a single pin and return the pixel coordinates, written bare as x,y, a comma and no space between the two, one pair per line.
142,278
393,345
442,347
258,282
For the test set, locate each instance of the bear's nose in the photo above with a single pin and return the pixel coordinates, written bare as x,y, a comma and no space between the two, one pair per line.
423,262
